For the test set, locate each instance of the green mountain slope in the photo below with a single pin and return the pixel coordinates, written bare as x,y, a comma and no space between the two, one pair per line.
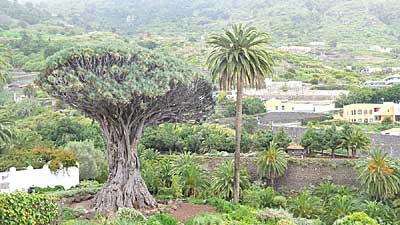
298,21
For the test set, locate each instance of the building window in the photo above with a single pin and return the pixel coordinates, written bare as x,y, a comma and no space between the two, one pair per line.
371,120
283,108
365,112
370,111
378,118
365,120
360,120
397,118
359,112
276,108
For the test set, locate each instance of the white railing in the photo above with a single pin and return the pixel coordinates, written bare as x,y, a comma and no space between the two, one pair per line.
14,180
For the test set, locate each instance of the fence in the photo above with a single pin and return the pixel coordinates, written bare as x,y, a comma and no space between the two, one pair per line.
14,180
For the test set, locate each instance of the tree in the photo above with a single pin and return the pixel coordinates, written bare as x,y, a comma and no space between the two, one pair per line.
379,176
282,139
333,138
126,88
239,58
272,163
354,140
6,131
223,180
313,139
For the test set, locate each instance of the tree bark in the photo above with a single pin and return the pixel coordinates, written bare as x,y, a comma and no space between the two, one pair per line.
239,98
125,186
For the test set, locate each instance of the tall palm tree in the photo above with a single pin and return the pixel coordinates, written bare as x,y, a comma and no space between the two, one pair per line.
379,176
6,132
239,58
354,139
272,163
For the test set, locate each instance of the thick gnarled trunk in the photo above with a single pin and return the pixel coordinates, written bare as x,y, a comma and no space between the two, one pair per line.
125,186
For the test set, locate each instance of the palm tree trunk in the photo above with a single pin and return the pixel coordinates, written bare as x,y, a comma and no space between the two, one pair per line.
239,98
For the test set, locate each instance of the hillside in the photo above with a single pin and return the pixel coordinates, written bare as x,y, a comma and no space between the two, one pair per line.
290,21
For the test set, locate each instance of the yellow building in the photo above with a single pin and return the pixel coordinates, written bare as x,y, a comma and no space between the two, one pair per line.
370,113
276,105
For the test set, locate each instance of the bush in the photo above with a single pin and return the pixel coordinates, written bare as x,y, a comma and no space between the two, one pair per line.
259,198
358,218
279,201
27,209
91,160
269,214
130,214
162,219
221,205
206,219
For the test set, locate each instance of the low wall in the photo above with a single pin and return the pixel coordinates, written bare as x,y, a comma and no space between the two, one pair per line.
14,180
301,173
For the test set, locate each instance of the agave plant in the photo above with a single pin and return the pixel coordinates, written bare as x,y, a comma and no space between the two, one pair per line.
272,163
379,176
378,211
224,178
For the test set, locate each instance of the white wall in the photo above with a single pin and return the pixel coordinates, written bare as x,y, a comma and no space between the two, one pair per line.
13,180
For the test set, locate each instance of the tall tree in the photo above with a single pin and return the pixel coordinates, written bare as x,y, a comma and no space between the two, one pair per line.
126,88
354,140
239,58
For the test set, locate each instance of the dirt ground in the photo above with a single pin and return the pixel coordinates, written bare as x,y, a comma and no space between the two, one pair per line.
187,210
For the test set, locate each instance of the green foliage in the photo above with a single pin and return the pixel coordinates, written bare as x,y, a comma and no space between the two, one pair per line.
29,209
6,132
161,219
370,95
259,198
92,162
130,214
270,214
338,207
37,158
221,205
272,163
251,106
305,205
240,53
358,218
222,183
206,219
379,176
282,139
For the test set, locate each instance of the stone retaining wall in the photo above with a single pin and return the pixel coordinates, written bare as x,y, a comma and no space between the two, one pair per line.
301,173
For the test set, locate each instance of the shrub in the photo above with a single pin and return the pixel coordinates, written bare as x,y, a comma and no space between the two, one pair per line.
161,219
221,205
206,219
358,218
27,209
91,160
130,214
305,205
279,201
268,214
242,214
259,198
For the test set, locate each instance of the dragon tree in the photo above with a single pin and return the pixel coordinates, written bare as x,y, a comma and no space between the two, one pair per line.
126,89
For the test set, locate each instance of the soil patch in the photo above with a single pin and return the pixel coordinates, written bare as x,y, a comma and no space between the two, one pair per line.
187,210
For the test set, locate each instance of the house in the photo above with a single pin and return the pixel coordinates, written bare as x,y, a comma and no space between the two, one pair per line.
275,105
295,150
387,82
371,113
393,131
392,80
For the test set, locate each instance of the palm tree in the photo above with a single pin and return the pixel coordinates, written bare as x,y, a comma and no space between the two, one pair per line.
224,179
379,176
354,139
6,132
239,58
272,163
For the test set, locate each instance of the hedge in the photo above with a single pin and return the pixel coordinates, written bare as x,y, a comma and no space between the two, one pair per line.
28,209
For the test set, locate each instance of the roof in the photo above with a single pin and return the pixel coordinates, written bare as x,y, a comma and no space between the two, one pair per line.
295,147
